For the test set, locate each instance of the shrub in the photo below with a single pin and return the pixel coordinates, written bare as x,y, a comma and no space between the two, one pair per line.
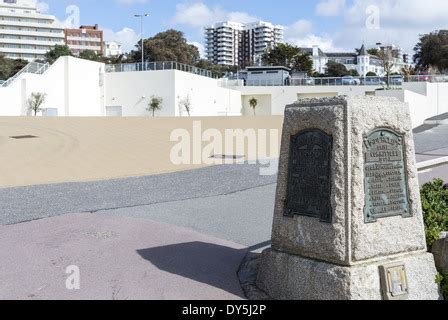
435,213
435,209
442,280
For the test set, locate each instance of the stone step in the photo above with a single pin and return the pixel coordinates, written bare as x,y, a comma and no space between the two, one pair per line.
438,120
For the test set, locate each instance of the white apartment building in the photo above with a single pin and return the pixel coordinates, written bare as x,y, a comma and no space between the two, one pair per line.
112,49
25,33
237,44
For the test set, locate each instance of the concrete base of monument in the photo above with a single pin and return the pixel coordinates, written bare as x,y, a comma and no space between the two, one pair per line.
289,277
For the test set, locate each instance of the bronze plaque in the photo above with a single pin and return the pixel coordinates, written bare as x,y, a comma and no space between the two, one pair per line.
309,183
394,282
385,182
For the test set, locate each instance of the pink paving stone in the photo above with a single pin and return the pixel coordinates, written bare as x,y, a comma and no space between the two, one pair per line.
119,258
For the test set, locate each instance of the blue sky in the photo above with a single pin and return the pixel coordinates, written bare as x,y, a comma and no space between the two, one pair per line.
331,24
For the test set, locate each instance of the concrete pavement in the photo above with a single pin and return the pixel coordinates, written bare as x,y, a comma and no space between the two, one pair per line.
118,259
172,236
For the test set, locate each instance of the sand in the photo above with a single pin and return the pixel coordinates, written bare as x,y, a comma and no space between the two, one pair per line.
90,149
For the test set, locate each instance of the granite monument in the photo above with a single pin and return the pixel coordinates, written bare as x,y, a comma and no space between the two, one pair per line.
348,221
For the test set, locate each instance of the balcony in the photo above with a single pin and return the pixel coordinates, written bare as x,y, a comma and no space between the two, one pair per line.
84,39
30,25
24,51
30,42
33,33
85,47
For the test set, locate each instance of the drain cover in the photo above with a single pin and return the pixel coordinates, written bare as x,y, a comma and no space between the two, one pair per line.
23,137
226,156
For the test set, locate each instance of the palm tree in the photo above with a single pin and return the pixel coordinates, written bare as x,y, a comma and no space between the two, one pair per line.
155,104
253,104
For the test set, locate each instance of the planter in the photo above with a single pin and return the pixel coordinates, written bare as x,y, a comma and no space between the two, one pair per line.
440,251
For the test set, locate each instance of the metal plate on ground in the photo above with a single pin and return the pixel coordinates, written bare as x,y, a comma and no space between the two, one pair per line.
309,172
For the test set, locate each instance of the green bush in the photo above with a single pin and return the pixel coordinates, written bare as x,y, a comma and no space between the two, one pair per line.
442,280
435,209
435,213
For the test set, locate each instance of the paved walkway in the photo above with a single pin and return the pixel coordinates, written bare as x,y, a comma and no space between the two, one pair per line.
171,236
118,259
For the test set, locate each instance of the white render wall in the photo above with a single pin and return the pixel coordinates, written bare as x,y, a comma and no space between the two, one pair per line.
425,99
283,96
77,87
132,92
72,86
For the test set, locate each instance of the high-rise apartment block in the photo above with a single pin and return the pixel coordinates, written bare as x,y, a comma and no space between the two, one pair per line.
237,44
85,38
25,33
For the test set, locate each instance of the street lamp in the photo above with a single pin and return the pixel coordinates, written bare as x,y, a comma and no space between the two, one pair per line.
141,16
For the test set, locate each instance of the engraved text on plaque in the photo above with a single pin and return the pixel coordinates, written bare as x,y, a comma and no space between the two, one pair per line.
385,180
309,183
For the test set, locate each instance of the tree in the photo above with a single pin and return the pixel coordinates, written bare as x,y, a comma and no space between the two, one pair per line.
9,67
57,52
354,73
289,56
373,52
432,51
407,72
170,45
371,74
335,69
90,55
4,68
253,104
155,104
216,69
35,102
118,59
387,63
185,103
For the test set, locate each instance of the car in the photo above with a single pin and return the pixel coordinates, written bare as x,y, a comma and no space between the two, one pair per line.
350,81
421,78
396,80
310,81
373,81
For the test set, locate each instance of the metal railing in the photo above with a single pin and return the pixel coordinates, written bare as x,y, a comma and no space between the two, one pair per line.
32,67
156,66
393,81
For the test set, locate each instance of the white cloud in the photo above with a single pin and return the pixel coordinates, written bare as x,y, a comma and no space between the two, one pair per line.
401,13
198,15
307,41
131,2
43,7
127,37
300,33
298,29
200,46
400,21
330,7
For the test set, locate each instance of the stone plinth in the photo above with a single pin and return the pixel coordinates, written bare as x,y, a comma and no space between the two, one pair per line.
348,204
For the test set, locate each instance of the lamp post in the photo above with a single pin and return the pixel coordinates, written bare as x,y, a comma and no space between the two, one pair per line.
141,16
